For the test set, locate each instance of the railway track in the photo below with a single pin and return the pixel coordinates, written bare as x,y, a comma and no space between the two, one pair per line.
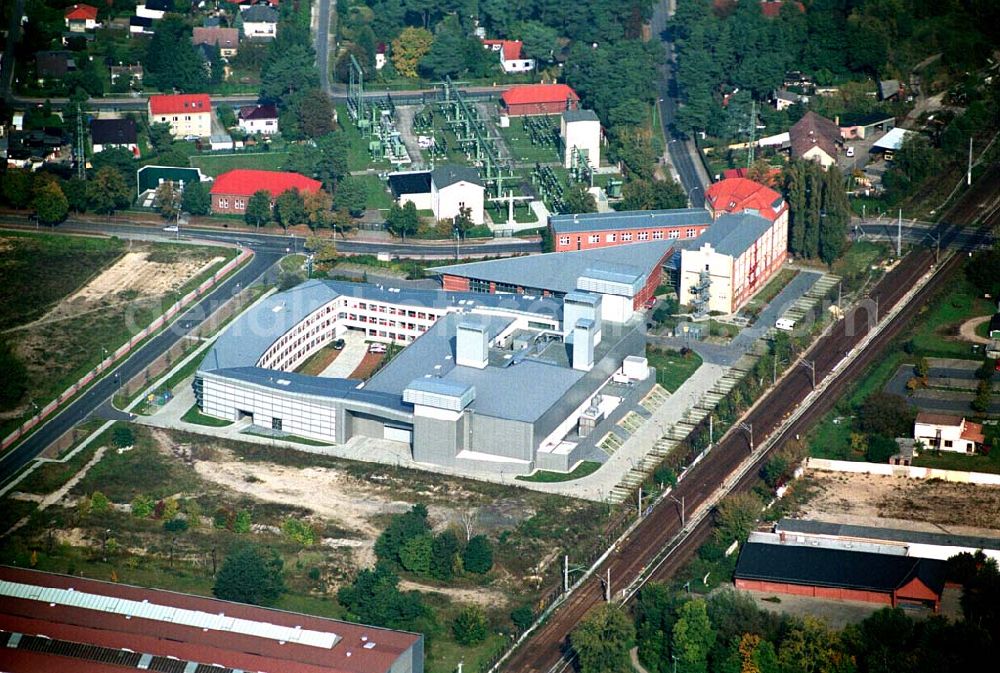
548,650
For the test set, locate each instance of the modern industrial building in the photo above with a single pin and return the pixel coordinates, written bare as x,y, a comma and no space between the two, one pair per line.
585,231
64,623
486,383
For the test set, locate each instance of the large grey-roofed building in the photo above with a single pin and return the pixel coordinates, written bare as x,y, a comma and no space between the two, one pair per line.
632,219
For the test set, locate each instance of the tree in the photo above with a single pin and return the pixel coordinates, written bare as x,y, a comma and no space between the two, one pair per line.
141,506
161,137
374,598
108,191
886,414
317,207
415,554
579,200
444,551
252,575
122,437
288,69
603,639
75,190
99,503
655,616
290,209
17,188
921,368
171,61
50,204
652,195
350,196
14,382
880,449
315,112
540,41
811,647
196,199
984,395
243,522
736,516
477,557
168,200
401,529
258,208
693,637
522,617
409,49
470,626
402,220
983,271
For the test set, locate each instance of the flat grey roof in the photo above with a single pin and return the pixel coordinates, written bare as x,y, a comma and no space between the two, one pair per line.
580,116
616,273
559,271
629,219
733,233
889,534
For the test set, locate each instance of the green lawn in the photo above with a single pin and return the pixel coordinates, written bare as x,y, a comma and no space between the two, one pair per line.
518,141
522,215
546,477
959,461
672,368
377,195
216,164
774,287
939,322
856,264
292,263
194,415
832,439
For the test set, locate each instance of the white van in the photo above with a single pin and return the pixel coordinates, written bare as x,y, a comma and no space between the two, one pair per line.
785,324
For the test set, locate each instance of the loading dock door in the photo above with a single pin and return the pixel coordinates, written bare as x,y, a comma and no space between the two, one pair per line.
404,435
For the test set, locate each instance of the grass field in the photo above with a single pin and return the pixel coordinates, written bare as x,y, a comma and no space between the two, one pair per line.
358,158
216,164
855,267
37,270
376,195
936,328
518,141
672,368
774,286
318,361
546,477
947,460
194,415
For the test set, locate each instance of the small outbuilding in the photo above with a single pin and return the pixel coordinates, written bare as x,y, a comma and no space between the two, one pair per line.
580,130
538,99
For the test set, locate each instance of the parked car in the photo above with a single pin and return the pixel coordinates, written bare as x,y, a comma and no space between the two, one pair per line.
376,348
338,344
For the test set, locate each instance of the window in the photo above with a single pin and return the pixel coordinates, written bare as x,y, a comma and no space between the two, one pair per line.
239,204
643,235
627,236
175,118
276,424
947,443
564,240
674,233
223,203
657,235
610,238
594,238
690,233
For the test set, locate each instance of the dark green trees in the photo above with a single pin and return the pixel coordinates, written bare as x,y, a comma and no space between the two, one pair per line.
818,211
250,574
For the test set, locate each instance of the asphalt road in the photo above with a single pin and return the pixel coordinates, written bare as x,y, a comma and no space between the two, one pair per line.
323,43
679,147
267,253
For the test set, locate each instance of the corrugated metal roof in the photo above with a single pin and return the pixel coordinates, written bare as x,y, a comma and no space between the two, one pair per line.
629,219
732,234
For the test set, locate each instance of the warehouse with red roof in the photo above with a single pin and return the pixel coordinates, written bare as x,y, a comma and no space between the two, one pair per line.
61,623
538,99
231,191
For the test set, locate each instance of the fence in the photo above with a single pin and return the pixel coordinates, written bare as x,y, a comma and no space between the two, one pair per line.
123,350
909,471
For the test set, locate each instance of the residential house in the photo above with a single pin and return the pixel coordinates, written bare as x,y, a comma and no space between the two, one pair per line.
189,115
815,138
227,40
132,73
262,119
53,65
153,9
538,99
232,191
260,21
109,133
380,55
140,25
445,191
784,99
509,52
942,432
80,18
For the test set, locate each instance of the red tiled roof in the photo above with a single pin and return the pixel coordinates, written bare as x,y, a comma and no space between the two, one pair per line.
973,432
244,182
511,49
81,13
533,94
734,195
180,104
188,643
223,38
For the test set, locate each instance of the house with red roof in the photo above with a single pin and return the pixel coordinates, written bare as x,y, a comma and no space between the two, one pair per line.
741,195
80,18
52,622
189,115
511,59
538,99
231,191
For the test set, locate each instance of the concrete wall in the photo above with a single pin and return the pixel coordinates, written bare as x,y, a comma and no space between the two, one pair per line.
303,415
437,440
502,437
420,201
583,134
448,202
902,471
720,269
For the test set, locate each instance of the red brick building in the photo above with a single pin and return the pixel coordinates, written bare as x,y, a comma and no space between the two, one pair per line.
586,231
841,575
538,99
62,623
231,191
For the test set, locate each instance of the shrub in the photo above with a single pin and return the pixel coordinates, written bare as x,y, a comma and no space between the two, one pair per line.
416,554
470,626
477,557
175,525
522,617
242,522
300,531
99,503
142,506
880,449
122,436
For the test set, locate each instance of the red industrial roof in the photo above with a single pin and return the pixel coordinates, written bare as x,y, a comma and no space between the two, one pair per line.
735,195
244,182
81,13
68,624
180,104
533,94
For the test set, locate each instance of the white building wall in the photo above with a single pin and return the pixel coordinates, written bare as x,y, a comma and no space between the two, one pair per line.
448,202
422,201
615,308
583,134
951,437
265,127
186,124
817,154
303,415
142,11
260,29
518,65
721,270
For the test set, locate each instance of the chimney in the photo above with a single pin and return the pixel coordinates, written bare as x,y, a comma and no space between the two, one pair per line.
472,345
583,345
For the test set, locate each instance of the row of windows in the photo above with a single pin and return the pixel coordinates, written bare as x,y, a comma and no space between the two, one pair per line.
626,237
238,204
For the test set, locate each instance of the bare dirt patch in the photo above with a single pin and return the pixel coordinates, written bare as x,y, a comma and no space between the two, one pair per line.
968,329
900,502
487,598
141,272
